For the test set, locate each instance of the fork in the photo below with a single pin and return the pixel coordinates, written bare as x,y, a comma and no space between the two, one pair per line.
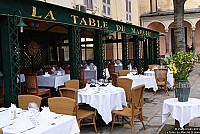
8,125
27,129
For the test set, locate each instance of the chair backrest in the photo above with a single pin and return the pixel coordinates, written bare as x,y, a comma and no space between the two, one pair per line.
31,82
152,66
114,77
62,105
126,84
161,75
111,68
1,131
72,84
137,94
123,72
24,100
70,93
67,69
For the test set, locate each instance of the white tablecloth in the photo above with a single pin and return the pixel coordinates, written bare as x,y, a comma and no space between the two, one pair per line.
104,102
47,124
118,67
149,81
170,77
53,80
90,74
181,111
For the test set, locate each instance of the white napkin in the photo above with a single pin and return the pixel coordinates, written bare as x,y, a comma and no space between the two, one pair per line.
87,68
87,86
116,64
46,75
46,111
14,108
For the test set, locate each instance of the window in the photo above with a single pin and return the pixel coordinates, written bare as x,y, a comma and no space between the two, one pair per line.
89,4
128,10
87,49
106,7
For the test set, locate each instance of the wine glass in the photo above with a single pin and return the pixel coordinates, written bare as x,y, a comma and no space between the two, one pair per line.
33,108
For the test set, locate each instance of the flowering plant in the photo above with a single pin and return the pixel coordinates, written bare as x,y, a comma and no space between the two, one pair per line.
181,64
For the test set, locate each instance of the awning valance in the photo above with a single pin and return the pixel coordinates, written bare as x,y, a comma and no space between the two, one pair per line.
54,13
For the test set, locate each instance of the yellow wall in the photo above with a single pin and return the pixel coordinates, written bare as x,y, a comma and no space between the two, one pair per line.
164,5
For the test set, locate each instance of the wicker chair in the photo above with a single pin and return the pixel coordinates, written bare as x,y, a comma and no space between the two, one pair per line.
126,84
123,72
32,86
1,131
161,78
62,105
152,66
114,77
80,113
72,84
24,100
137,94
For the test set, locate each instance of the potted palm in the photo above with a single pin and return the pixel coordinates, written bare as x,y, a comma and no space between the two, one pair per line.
181,64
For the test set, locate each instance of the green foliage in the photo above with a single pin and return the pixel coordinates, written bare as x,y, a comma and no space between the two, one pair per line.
181,64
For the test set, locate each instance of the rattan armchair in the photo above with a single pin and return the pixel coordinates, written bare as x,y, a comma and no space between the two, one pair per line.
137,101
161,78
1,131
24,100
72,83
80,113
62,105
126,84
114,77
152,66
123,72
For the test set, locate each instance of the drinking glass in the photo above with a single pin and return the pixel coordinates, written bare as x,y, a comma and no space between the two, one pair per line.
33,108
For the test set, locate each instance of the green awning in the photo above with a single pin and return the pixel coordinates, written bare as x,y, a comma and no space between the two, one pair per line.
54,13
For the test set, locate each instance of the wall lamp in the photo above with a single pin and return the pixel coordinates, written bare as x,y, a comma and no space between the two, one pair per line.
21,23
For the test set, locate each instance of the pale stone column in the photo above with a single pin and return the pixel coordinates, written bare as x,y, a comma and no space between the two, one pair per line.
193,39
166,42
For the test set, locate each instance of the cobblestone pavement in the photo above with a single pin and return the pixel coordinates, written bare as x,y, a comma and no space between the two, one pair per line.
152,111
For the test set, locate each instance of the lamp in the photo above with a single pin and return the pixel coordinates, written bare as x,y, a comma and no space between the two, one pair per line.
21,23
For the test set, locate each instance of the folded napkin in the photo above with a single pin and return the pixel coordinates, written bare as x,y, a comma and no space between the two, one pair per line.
46,111
12,107
87,68
46,75
116,64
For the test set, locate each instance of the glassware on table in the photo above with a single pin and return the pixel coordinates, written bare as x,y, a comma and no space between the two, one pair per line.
34,110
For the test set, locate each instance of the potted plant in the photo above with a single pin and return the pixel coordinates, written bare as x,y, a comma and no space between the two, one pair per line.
181,64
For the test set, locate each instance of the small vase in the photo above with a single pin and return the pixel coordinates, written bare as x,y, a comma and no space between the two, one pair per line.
182,90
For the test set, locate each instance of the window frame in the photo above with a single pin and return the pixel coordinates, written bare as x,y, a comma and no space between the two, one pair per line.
107,5
128,11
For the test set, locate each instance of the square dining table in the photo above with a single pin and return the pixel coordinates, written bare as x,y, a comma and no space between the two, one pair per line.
103,99
41,124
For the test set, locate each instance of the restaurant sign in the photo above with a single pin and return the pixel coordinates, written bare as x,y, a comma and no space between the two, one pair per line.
49,12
